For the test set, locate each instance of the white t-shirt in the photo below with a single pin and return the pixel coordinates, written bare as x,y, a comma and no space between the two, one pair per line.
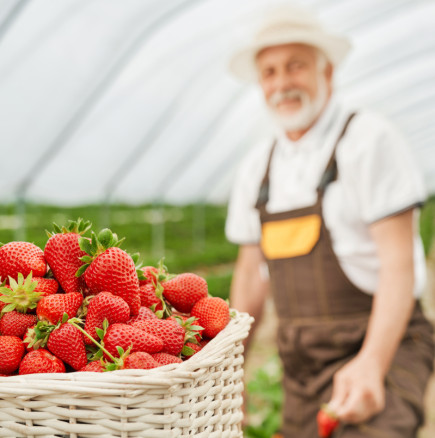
377,177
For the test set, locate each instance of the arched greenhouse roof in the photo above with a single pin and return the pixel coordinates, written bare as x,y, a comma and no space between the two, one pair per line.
108,100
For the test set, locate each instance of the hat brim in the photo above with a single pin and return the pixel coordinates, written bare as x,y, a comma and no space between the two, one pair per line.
243,65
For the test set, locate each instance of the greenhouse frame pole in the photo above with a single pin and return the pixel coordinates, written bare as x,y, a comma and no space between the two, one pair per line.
16,11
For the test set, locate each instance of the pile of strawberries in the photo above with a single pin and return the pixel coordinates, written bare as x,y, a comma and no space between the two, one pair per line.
84,304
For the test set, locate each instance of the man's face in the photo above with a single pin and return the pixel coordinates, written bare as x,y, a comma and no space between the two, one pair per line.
296,83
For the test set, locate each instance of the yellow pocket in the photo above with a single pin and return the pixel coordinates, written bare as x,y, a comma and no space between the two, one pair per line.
290,237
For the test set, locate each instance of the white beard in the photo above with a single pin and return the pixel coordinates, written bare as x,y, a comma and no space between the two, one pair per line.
309,111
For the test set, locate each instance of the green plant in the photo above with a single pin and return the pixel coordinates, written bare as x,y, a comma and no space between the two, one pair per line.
265,400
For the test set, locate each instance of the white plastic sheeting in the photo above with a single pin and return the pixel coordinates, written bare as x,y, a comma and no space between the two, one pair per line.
109,100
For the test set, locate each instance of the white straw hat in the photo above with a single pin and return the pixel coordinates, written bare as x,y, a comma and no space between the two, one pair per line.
286,25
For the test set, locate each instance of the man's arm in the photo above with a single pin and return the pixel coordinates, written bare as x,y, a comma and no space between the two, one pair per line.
358,390
249,288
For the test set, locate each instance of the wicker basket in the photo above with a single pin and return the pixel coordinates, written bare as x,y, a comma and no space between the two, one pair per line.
201,397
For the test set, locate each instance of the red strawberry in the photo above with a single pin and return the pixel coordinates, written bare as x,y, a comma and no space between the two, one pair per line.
124,336
151,274
95,366
204,342
63,254
166,358
23,257
41,361
184,290
144,313
148,297
11,352
105,306
109,268
66,342
52,307
213,314
327,422
140,360
16,324
170,332
46,286
194,348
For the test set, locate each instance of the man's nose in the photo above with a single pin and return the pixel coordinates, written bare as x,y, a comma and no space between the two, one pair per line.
284,81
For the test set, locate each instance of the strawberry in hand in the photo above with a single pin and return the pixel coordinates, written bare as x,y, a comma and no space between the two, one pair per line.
327,422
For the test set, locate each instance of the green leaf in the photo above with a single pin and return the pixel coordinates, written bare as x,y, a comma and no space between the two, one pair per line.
82,269
105,324
141,275
100,333
187,351
105,238
64,317
6,293
120,350
85,245
8,308
13,283
135,257
94,243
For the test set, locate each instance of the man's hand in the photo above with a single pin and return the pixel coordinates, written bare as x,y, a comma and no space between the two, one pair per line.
358,391
358,388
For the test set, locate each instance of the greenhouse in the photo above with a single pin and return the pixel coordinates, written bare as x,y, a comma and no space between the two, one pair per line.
125,113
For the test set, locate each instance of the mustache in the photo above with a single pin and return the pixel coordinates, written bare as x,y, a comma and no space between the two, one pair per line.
277,97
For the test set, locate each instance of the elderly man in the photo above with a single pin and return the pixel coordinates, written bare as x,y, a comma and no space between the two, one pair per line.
331,204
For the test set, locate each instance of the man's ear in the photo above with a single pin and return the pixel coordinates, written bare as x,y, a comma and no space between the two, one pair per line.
329,71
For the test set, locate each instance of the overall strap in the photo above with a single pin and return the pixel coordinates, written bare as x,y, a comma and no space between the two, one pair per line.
330,173
263,195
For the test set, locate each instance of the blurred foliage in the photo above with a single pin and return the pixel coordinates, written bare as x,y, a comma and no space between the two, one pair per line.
427,224
194,239
265,400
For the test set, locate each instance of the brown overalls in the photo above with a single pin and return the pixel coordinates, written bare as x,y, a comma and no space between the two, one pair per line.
323,318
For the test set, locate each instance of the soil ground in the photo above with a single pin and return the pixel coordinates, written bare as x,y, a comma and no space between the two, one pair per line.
264,346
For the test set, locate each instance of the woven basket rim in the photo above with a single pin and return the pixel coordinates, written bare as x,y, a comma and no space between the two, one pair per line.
168,375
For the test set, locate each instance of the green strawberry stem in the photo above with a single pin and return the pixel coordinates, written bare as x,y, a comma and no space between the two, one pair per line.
74,322
166,310
325,407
